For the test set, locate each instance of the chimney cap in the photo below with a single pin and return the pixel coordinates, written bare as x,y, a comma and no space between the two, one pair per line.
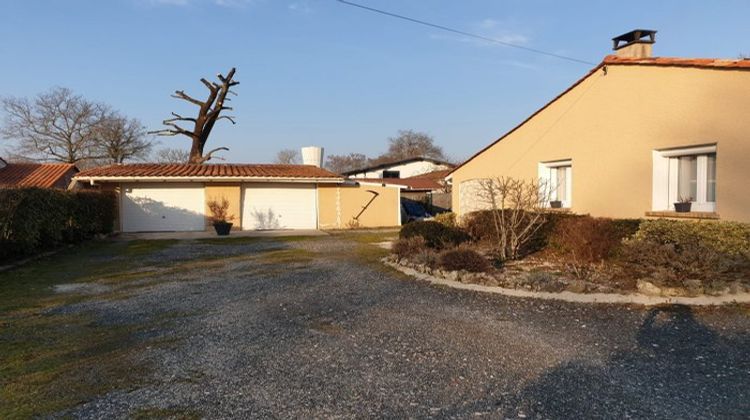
636,36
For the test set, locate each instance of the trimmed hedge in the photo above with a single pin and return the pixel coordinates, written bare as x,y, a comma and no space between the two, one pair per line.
671,252
36,219
587,240
481,227
436,235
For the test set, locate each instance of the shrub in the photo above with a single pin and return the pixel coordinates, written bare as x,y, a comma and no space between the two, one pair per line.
34,219
463,259
670,252
436,235
406,248
426,256
480,226
447,219
588,239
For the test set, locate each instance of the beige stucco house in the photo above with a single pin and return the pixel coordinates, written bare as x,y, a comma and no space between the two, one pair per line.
631,137
175,197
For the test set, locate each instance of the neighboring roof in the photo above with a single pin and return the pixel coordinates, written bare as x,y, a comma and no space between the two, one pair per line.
707,63
436,175
396,163
158,171
42,175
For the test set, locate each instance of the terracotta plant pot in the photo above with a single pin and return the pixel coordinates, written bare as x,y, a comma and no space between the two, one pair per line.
222,228
556,204
682,207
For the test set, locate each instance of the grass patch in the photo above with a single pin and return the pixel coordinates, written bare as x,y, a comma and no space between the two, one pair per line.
52,362
49,361
368,237
139,248
232,240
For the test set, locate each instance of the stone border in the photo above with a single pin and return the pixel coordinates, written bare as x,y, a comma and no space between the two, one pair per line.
635,298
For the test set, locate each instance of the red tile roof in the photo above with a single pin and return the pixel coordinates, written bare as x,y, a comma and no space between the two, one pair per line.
436,175
707,63
713,63
42,175
429,181
184,170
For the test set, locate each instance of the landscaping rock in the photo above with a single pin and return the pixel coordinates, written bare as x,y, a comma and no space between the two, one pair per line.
648,288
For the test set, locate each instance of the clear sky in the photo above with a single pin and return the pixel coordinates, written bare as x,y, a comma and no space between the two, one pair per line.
316,72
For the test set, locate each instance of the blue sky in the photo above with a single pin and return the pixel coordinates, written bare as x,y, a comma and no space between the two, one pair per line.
316,72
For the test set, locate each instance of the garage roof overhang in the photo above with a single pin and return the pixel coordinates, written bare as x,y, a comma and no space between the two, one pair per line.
214,179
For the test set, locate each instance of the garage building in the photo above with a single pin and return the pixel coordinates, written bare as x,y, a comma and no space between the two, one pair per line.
174,197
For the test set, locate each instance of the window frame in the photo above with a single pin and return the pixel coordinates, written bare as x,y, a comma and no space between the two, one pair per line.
665,178
547,179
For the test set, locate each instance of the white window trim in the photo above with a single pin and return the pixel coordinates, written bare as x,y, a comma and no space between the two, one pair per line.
547,182
664,180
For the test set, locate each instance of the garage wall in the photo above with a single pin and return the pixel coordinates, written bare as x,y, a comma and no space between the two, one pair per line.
339,204
233,193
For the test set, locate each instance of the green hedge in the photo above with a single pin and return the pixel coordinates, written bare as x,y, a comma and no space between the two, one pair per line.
36,219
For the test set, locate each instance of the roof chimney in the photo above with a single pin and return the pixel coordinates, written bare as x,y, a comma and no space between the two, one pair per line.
635,44
312,155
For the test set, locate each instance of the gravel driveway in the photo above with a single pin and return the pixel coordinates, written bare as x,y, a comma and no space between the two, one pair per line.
315,332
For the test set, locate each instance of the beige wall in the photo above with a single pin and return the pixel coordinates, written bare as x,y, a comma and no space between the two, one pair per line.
339,204
610,124
233,193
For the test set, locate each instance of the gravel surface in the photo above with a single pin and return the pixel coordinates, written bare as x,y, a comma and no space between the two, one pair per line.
337,337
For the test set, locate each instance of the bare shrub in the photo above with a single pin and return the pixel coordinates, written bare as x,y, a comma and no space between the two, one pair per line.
427,257
219,210
517,212
407,248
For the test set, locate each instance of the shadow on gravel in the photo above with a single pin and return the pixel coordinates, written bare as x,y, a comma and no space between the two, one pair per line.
680,369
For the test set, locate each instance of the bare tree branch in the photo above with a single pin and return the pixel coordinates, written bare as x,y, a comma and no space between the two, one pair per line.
179,94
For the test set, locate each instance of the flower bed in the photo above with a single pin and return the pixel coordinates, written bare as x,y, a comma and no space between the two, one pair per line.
589,255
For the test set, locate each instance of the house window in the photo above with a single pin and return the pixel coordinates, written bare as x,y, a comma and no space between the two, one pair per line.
391,174
556,179
685,174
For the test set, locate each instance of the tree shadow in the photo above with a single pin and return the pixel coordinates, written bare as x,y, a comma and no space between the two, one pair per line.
679,369
155,216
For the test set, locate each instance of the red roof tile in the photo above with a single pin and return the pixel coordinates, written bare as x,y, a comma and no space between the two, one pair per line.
229,170
42,175
411,183
713,63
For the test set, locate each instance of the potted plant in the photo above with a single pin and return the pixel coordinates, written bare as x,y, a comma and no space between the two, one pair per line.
555,204
219,216
683,204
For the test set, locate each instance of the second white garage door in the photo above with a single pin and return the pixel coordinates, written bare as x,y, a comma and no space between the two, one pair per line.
279,206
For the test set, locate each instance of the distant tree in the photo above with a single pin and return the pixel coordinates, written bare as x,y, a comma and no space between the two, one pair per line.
408,144
344,163
56,126
170,155
119,139
209,112
744,56
288,156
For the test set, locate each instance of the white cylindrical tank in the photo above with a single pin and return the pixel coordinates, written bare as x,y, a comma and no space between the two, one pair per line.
312,155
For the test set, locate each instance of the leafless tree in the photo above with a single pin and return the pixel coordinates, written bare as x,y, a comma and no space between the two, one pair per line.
119,139
344,163
518,211
408,144
170,155
56,125
288,156
209,111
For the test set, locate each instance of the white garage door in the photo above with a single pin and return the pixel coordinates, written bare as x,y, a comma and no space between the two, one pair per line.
279,206
163,207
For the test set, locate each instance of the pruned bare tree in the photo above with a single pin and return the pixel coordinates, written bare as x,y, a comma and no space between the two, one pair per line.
171,155
119,139
209,111
288,156
518,211
57,125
